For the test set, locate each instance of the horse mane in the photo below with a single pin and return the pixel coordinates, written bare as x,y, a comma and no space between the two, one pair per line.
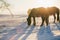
29,10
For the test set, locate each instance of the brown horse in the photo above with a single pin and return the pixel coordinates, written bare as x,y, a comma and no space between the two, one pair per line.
38,12
53,11
43,13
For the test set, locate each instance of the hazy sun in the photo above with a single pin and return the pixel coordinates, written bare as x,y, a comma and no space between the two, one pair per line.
46,3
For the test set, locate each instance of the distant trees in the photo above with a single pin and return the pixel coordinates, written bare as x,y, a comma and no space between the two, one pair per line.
5,5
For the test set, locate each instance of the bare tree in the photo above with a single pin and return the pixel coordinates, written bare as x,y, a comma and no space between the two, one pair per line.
6,5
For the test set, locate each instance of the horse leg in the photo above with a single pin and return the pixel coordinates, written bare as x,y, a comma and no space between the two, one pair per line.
54,18
46,20
34,22
42,21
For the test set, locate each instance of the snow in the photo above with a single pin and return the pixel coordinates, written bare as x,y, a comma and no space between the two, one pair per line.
17,29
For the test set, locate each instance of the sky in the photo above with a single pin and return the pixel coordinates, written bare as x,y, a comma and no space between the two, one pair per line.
21,6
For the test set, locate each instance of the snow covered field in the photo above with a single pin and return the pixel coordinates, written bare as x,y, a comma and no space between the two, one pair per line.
16,29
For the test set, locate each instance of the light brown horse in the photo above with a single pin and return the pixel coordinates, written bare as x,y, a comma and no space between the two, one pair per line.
38,12
53,11
44,13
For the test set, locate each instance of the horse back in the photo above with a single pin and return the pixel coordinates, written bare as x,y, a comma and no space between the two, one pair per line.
37,12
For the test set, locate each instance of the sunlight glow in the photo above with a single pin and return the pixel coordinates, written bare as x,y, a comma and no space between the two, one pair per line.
46,3
21,6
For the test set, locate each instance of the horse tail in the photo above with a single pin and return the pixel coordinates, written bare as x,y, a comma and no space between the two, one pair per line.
57,14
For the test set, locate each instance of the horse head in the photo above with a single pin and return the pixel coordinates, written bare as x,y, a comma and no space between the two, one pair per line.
28,21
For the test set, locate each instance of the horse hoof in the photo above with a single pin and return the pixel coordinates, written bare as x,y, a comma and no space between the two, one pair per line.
54,22
41,25
28,25
47,25
34,24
